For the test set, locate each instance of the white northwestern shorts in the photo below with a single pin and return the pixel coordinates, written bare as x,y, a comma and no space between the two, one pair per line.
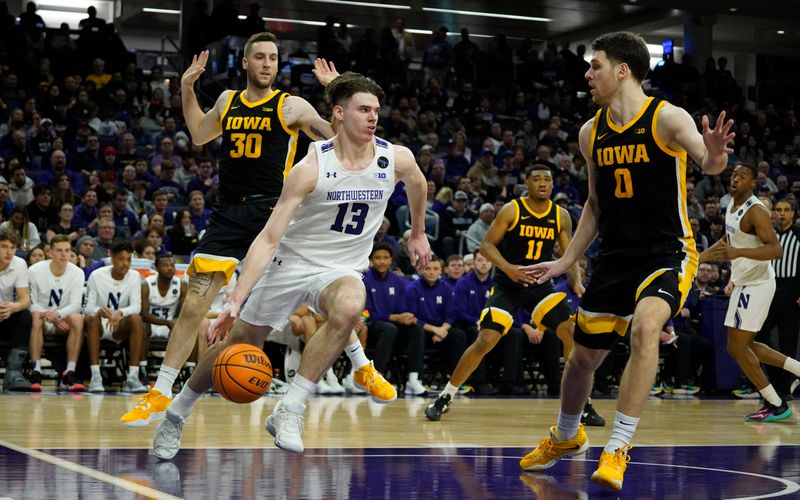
283,288
107,331
749,306
159,331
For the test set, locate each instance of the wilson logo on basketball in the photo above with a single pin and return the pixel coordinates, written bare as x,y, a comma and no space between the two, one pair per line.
255,359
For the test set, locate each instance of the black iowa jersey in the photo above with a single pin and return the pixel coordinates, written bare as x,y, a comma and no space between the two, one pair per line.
530,238
640,185
257,147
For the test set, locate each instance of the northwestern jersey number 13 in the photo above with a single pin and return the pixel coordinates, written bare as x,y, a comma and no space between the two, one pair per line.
356,224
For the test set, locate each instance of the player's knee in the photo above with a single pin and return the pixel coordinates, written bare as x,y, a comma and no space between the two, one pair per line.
75,320
485,343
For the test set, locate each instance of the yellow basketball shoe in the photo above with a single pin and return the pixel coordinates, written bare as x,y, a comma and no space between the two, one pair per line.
371,380
551,450
611,468
152,406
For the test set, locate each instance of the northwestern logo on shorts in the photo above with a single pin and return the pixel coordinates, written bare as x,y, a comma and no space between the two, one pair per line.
744,300
383,162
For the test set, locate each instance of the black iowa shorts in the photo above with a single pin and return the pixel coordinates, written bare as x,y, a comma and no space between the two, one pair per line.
547,307
619,283
231,229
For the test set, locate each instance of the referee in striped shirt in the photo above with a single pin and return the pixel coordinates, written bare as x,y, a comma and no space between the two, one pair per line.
784,313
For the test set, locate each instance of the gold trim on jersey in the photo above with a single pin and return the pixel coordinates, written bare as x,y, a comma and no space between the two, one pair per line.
516,216
499,316
688,269
619,129
260,101
538,215
545,306
558,224
661,145
206,263
595,323
292,141
595,123
227,107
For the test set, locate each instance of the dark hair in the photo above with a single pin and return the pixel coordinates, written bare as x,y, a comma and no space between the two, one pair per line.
749,166
11,236
343,87
264,36
625,47
59,238
121,245
537,167
41,188
453,257
141,244
160,257
789,200
382,245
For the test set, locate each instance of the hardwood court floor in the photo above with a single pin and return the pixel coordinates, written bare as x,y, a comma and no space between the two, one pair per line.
71,446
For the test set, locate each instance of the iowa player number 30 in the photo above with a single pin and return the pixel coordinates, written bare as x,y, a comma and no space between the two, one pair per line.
247,145
624,184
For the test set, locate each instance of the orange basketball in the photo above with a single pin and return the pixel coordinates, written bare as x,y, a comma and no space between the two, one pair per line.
242,373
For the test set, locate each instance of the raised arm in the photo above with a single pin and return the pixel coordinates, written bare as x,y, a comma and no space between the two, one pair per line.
300,114
203,127
406,170
710,149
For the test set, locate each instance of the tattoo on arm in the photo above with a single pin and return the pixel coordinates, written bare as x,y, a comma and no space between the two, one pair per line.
200,283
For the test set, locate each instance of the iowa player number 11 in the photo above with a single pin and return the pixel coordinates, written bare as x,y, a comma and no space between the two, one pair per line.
624,184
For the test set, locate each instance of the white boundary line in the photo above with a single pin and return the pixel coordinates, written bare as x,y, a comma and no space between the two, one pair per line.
87,471
400,447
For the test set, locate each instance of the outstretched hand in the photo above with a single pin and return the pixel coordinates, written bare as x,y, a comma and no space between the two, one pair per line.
324,71
222,325
717,139
419,251
195,69
544,271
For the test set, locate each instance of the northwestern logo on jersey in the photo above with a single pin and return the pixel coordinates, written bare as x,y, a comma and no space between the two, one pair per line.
631,153
391,290
113,301
439,299
55,297
383,162
355,195
248,123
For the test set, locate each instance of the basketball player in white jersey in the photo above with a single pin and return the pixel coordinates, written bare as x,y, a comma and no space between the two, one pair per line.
113,307
316,244
751,244
162,297
56,295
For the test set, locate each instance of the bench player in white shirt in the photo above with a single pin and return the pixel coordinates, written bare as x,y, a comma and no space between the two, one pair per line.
162,297
113,307
15,318
751,244
316,243
56,297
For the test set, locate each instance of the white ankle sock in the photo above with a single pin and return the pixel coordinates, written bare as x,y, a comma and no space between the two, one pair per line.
37,366
356,354
622,433
450,389
166,379
567,426
299,391
792,365
95,369
413,377
770,395
70,366
184,402
133,372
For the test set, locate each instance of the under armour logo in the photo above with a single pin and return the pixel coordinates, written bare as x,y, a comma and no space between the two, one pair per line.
330,174
275,259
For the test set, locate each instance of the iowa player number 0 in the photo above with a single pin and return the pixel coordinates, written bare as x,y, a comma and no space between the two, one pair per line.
624,183
247,145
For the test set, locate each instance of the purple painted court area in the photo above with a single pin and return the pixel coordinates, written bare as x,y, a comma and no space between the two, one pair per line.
654,472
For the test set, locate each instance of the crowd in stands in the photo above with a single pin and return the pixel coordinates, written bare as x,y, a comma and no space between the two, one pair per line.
95,148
